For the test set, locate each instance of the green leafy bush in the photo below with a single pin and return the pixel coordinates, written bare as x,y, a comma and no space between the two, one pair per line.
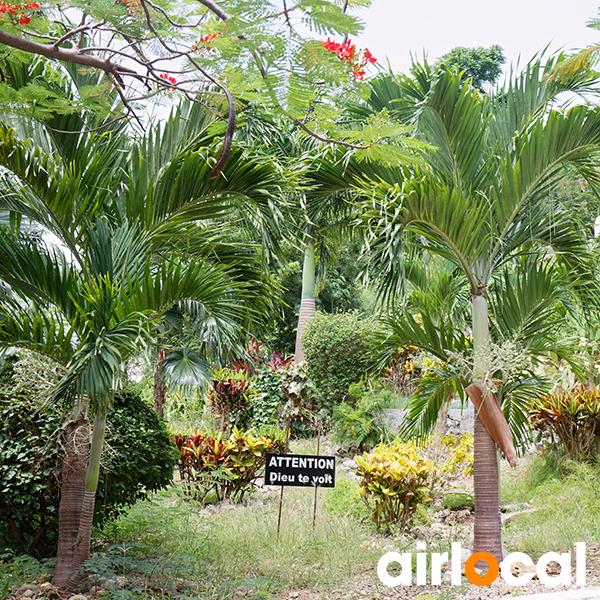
139,459
359,423
301,409
29,473
227,466
572,419
265,396
339,350
394,480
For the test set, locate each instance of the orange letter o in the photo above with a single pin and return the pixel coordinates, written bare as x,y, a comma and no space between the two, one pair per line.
472,574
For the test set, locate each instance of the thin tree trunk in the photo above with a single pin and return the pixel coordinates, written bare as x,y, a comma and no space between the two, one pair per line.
74,468
82,548
487,531
160,390
307,303
487,534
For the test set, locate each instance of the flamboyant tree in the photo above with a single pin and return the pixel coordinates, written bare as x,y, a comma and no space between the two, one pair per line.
207,51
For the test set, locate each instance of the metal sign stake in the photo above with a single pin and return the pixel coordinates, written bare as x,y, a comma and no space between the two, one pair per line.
316,486
287,447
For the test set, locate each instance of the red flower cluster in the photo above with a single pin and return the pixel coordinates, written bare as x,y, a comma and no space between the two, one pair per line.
170,79
348,54
134,7
16,9
207,39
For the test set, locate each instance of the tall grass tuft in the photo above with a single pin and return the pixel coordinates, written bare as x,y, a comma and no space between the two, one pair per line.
228,547
565,498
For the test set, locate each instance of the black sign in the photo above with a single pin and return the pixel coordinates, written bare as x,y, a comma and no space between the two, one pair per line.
300,470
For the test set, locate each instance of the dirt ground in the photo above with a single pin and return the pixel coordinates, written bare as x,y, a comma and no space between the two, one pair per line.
366,586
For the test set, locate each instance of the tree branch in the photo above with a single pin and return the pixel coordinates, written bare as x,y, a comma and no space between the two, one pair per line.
300,124
226,148
81,29
215,8
50,51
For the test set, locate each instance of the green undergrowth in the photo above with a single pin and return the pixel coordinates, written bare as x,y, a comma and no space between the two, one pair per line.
563,500
169,548
17,570
170,545
344,500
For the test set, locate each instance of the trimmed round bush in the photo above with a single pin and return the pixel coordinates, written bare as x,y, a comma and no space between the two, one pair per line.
339,349
139,459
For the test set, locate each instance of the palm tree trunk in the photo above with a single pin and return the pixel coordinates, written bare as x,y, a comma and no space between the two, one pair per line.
487,534
74,468
487,531
160,390
82,547
307,303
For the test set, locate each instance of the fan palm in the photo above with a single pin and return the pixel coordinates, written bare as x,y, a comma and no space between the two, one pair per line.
480,201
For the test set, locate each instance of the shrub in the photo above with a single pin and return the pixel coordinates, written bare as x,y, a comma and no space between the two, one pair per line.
394,481
228,398
359,423
572,418
139,459
266,393
265,396
451,454
339,350
301,409
29,473
401,375
226,466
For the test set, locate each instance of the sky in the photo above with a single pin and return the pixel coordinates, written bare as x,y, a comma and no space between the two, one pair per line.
395,28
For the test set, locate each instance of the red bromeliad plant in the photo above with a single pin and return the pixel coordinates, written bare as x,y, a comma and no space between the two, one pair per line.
229,398
279,360
573,418
251,362
255,359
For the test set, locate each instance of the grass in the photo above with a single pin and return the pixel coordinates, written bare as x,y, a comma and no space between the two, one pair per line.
231,547
565,498
167,547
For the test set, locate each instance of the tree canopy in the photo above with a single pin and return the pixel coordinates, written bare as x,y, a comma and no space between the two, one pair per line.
480,65
206,51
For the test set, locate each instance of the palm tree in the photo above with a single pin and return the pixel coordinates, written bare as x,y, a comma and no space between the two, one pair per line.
324,205
481,201
133,220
